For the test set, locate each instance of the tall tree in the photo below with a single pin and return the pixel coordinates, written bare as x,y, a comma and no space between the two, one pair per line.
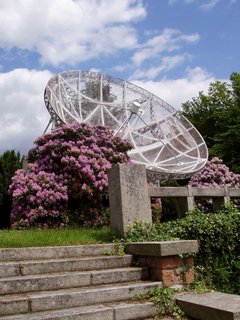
217,117
10,161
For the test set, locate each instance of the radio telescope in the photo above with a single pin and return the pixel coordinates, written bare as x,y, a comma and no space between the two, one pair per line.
163,139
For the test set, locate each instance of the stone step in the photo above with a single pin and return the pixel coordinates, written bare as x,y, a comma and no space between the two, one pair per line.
59,252
30,267
70,279
210,305
68,298
111,311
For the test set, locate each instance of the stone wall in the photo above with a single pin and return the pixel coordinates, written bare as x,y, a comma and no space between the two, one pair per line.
130,196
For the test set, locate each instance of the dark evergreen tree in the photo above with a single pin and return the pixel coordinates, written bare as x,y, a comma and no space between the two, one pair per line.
10,161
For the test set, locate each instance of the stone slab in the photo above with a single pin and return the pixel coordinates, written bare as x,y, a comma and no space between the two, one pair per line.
18,254
210,306
70,279
74,297
9,269
13,305
60,265
44,282
162,248
138,310
87,296
168,192
118,311
118,275
208,192
232,192
99,312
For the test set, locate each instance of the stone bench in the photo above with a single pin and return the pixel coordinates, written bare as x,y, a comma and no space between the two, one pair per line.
165,261
210,306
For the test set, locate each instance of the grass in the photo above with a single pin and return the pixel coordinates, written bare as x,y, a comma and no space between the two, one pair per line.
50,237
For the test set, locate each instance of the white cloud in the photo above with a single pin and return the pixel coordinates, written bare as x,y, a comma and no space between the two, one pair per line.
209,5
167,41
167,63
205,5
157,52
69,31
178,91
23,115
171,2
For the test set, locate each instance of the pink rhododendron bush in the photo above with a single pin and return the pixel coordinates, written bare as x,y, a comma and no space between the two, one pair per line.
39,199
67,176
214,175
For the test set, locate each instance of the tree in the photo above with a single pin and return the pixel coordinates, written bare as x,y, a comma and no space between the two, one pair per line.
10,161
217,117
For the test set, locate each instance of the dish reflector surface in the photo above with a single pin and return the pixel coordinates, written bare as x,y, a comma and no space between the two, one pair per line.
163,139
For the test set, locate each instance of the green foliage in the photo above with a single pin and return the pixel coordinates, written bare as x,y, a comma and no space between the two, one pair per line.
218,235
119,249
217,117
219,246
156,212
169,206
143,231
164,300
10,161
169,209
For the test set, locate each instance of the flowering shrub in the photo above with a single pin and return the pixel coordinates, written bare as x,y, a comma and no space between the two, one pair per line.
214,175
79,157
156,207
39,199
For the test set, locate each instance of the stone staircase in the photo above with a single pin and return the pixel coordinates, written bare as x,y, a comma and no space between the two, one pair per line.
72,282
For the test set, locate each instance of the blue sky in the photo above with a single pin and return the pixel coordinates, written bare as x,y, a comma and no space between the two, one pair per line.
174,48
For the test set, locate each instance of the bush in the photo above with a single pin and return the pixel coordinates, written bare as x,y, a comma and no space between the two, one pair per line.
39,200
79,156
218,236
214,175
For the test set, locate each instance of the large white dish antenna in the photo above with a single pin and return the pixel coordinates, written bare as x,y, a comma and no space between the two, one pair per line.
163,139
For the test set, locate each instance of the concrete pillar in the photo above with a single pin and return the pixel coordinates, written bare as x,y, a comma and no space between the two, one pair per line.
226,198
128,196
190,199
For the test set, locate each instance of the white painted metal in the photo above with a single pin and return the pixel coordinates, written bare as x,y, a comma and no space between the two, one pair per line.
163,139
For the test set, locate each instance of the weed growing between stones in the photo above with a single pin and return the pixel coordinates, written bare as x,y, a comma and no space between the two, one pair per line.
164,300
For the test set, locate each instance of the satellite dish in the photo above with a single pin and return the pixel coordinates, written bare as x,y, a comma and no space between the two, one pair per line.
163,139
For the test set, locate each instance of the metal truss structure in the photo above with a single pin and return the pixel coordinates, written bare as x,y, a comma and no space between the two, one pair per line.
163,139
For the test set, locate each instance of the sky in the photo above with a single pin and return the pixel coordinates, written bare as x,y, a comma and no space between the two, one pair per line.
173,48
